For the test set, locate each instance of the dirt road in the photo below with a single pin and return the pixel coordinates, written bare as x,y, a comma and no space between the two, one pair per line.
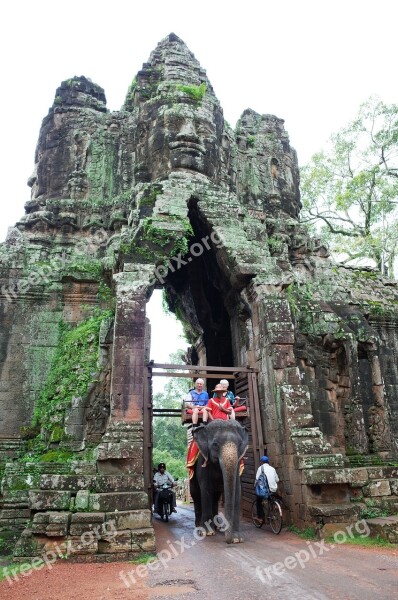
283,567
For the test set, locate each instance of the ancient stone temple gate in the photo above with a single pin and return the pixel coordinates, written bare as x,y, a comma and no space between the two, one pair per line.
164,194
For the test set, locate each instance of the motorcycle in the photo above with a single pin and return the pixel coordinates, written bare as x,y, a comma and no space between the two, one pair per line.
165,501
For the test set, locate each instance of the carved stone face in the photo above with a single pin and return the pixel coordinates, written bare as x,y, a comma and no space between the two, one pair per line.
180,136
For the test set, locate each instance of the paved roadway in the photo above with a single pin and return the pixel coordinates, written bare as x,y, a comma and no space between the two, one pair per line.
282,567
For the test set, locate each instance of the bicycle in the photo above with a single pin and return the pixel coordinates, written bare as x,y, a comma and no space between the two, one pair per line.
272,511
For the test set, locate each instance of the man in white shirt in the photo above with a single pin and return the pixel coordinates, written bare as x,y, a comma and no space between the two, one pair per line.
272,478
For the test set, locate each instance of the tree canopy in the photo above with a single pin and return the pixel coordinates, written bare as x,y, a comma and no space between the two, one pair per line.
350,190
169,436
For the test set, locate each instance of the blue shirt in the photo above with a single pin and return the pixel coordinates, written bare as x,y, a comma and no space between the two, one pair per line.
193,397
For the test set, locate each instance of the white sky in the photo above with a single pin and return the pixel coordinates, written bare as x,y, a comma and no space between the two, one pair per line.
310,62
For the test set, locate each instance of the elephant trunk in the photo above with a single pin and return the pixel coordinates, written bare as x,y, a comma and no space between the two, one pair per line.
229,467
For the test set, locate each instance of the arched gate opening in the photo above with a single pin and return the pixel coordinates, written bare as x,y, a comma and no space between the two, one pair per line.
246,386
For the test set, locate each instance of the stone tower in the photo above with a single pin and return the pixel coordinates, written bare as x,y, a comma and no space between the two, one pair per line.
164,194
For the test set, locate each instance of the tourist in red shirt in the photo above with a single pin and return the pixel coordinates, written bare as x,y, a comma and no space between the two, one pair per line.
220,406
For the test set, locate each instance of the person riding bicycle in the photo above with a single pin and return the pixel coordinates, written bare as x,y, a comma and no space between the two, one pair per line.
159,479
272,478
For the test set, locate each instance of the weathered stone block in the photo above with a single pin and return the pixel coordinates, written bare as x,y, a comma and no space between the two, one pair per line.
52,524
357,477
377,488
82,500
283,356
120,542
88,517
394,486
343,511
118,500
15,513
66,482
118,483
144,539
325,476
45,500
385,527
131,519
82,544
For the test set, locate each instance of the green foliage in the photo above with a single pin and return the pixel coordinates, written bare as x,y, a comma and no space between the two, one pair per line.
309,533
196,92
142,558
166,240
58,456
91,268
105,294
251,139
74,367
358,540
372,510
133,87
29,432
169,436
15,569
275,245
350,190
58,100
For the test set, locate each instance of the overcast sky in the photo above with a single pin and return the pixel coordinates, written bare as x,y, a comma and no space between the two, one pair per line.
310,62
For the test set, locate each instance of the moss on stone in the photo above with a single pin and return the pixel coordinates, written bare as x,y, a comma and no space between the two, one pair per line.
73,369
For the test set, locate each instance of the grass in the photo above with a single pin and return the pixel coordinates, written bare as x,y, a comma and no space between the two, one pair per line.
368,542
12,569
309,533
142,559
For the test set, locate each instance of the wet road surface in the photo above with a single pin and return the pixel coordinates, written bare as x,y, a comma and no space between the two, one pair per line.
276,567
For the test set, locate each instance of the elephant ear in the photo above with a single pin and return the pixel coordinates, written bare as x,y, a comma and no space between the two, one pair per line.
201,438
243,443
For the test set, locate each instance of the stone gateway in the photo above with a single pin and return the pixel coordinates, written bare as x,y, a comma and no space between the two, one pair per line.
165,194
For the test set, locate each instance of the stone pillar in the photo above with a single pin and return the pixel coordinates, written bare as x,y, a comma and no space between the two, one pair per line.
121,449
379,428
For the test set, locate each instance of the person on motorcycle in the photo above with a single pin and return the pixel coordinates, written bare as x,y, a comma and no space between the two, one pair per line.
159,479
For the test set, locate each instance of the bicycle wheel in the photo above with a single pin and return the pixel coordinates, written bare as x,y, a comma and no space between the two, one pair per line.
275,516
255,518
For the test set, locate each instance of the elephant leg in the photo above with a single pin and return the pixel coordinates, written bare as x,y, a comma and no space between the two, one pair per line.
197,501
236,537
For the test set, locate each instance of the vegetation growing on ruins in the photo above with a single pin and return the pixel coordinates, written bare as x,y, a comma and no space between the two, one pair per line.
73,369
169,436
196,92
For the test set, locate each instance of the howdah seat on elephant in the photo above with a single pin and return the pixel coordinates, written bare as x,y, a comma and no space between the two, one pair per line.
241,412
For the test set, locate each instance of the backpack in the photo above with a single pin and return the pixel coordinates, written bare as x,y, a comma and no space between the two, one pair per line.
262,487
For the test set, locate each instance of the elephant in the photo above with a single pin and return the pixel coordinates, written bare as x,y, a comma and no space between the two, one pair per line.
222,444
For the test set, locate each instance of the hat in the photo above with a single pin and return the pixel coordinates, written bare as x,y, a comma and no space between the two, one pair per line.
264,459
218,388
161,466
